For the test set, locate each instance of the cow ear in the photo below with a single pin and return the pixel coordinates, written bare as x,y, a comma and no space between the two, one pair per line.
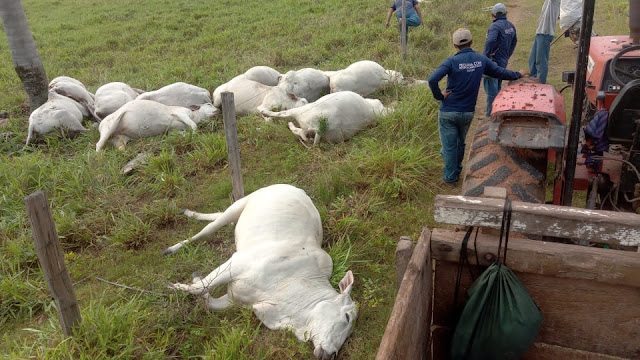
292,96
346,283
194,107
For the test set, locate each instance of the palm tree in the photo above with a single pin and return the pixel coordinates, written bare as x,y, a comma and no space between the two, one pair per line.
26,59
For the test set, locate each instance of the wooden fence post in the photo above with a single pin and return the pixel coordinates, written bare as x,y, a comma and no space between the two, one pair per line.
52,260
231,133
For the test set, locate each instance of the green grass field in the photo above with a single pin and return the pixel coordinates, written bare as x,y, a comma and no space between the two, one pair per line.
369,191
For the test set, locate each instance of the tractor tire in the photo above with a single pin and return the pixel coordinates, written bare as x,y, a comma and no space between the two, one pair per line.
522,172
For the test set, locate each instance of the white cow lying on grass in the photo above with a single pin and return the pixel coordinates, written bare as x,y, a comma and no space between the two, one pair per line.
110,97
363,77
251,97
279,268
306,83
144,118
178,94
335,117
59,112
74,89
263,75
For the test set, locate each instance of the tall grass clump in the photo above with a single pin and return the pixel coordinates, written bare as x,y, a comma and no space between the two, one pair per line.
107,331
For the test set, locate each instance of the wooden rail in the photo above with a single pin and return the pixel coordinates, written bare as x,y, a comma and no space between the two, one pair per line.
407,334
599,226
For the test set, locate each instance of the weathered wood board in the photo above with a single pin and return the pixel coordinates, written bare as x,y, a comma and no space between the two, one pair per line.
407,334
545,258
51,259
599,226
542,351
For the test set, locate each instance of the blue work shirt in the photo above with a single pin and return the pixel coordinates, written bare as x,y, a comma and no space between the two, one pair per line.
464,71
408,4
501,41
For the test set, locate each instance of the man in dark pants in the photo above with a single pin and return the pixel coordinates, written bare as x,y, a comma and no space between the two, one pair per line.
464,71
499,45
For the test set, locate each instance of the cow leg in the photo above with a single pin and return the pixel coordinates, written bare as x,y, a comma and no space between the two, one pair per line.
228,216
107,131
220,303
297,131
201,216
221,275
316,139
187,121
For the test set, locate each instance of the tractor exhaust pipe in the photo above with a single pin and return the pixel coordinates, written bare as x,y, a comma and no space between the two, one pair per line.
634,21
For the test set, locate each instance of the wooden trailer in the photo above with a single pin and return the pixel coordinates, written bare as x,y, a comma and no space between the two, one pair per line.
589,296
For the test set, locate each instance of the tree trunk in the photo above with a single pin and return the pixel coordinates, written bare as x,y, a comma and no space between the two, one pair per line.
26,59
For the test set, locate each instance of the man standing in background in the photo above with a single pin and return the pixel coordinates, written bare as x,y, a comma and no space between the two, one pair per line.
539,57
499,45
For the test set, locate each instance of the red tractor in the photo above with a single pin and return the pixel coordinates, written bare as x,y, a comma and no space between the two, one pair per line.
599,152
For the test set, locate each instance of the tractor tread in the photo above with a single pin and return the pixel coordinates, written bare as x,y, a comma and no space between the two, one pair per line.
500,175
524,165
484,162
519,191
480,143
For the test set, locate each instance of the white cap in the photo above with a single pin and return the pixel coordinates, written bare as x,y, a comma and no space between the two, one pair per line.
462,36
499,8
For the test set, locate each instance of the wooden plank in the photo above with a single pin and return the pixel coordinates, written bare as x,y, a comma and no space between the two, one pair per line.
578,314
233,149
52,261
546,258
542,351
408,329
599,226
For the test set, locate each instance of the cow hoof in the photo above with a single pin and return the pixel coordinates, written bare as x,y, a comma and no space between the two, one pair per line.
167,251
195,276
182,211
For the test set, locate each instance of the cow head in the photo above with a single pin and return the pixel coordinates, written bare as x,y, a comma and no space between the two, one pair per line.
206,111
331,321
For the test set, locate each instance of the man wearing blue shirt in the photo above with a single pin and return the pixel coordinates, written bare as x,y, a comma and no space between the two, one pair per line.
499,45
464,71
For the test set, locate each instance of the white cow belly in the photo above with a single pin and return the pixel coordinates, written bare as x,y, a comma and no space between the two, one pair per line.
278,274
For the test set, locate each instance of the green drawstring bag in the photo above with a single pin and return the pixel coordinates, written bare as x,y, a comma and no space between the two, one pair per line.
500,320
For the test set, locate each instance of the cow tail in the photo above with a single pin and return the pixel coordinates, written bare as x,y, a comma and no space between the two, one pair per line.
30,132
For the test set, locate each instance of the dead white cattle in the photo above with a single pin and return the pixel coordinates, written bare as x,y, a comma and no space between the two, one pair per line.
58,113
74,89
306,83
110,97
263,75
178,94
363,77
335,117
251,97
144,118
279,268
